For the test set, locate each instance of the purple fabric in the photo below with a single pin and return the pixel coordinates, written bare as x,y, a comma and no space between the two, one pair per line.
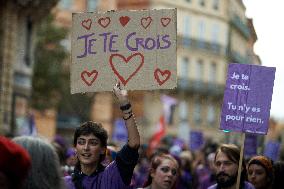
247,186
109,178
250,145
247,98
272,149
120,132
196,140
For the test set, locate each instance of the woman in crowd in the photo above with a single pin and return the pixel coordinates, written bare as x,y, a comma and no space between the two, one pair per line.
90,142
260,172
45,170
15,163
163,173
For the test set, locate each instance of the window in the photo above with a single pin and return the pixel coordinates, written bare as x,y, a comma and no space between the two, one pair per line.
202,3
215,4
184,67
197,111
186,28
212,72
29,28
215,33
65,4
201,33
215,38
199,70
183,111
92,5
210,113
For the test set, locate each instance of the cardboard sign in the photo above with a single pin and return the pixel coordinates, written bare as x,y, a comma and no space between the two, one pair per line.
272,149
250,147
196,140
137,48
247,98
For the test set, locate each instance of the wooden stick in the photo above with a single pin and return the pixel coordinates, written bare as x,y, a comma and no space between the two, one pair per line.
243,137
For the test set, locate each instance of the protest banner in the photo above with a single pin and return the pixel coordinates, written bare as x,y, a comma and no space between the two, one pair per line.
247,101
250,146
247,98
137,48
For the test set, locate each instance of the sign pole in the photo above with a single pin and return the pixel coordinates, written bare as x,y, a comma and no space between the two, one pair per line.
243,136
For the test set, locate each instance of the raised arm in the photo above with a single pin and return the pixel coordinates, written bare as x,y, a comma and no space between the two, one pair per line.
128,116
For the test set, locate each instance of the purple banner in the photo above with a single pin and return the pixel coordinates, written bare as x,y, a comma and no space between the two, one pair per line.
196,140
250,147
119,133
272,149
247,98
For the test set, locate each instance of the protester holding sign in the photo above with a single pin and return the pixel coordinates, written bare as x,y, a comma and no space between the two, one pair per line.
260,172
226,162
90,142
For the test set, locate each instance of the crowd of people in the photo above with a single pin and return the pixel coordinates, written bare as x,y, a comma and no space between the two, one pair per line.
35,163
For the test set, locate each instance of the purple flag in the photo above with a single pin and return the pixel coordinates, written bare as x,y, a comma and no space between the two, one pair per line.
247,98
119,133
250,147
196,140
272,150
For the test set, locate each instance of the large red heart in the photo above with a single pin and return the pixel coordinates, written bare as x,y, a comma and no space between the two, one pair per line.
165,21
124,20
126,60
87,23
89,77
145,22
104,22
162,76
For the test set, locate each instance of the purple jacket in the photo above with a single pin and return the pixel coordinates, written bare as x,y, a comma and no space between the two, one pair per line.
116,175
247,186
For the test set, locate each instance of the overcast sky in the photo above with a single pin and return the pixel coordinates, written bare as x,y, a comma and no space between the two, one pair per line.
269,25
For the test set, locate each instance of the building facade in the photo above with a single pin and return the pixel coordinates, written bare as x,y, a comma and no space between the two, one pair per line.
18,20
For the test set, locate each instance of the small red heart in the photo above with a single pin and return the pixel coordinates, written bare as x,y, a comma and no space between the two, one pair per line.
165,21
145,22
126,61
104,22
87,23
89,77
124,20
162,76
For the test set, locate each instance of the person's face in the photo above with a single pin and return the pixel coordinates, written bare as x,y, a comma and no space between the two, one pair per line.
257,176
165,175
88,149
226,170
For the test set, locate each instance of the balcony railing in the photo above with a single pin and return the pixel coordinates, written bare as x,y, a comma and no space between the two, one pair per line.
189,42
237,58
240,25
200,87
